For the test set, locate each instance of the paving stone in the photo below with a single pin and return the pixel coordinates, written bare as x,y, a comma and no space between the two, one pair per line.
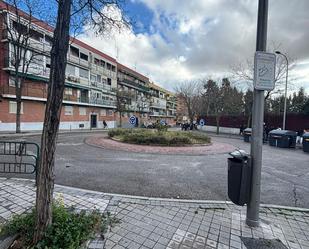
150,223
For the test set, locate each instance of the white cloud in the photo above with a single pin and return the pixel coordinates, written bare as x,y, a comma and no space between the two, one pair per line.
190,39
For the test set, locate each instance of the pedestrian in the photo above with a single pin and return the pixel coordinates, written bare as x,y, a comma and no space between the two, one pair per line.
299,136
241,129
104,124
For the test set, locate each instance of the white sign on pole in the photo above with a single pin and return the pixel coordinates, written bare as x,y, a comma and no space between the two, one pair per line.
264,71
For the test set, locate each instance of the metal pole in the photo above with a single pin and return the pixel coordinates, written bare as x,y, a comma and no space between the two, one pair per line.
257,124
286,90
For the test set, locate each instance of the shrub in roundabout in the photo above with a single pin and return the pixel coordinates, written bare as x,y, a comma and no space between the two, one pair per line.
160,137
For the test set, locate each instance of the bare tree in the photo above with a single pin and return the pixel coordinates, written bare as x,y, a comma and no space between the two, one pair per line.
123,99
190,93
82,11
22,56
243,72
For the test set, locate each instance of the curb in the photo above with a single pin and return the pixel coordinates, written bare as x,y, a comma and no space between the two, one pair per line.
145,198
157,153
29,134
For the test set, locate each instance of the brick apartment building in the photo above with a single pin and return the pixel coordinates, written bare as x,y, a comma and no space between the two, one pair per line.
92,79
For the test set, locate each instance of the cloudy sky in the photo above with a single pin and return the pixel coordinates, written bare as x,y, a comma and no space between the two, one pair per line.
176,40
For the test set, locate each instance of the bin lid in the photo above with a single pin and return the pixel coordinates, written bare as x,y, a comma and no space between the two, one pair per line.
283,132
239,154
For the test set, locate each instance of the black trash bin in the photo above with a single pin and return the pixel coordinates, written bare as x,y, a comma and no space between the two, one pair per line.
247,135
306,142
239,177
282,138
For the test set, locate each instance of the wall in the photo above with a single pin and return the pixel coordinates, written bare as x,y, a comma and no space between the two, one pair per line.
33,116
227,130
295,122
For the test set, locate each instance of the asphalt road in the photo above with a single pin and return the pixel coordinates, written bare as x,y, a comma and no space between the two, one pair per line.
285,174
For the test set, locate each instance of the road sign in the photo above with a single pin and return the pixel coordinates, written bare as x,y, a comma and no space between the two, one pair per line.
264,71
132,120
202,122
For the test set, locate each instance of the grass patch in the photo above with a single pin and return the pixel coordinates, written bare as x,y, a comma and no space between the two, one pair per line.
70,229
154,137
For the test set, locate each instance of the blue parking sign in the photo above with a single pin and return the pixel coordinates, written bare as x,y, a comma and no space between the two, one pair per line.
132,120
202,122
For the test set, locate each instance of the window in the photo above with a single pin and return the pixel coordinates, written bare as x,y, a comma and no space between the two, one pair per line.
108,66
99,78
110,113
20,28
93,77
84,56
68,91
113,68
12,81
83,73
103,112
74,51
102,63
82,111
13,107
109,81
96,61
68,110
70,70
36,35
48,39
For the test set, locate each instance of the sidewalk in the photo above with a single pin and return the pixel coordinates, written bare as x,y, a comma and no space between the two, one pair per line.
162,223
39,133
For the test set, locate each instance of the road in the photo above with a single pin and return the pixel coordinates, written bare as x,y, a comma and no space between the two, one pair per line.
285,173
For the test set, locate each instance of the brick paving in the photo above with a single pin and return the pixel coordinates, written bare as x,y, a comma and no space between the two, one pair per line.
213,148
169,224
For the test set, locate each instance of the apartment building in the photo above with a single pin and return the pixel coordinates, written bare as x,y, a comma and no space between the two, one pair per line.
163,104
136,89
92,81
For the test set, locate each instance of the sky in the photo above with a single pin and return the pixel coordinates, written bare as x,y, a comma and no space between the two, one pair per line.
171,41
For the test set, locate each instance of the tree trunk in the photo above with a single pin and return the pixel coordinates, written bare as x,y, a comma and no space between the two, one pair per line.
18,105
120,119
218,124
45,187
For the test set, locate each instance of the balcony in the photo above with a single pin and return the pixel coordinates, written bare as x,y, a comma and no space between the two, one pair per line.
101,85
73,79
157,114
133,84
83,99
97,101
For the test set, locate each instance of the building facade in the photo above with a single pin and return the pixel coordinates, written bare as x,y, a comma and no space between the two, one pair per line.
93,80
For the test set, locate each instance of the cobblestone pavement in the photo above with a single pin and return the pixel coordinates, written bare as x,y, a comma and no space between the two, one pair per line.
170,224
214,148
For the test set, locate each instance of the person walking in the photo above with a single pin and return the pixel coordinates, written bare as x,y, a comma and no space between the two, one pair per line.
104,124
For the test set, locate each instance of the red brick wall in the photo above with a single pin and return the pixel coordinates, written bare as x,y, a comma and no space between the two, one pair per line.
34,111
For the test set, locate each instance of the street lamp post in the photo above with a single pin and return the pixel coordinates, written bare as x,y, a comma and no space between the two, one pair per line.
286,87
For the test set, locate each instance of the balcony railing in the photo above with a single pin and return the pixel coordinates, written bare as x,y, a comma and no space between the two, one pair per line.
101,85
157,113
102,102
134,84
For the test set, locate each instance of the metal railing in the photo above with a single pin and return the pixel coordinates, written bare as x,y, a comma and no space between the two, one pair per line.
19,157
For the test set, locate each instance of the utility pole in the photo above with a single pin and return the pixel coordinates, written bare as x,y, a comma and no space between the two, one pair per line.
286,88
257,124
